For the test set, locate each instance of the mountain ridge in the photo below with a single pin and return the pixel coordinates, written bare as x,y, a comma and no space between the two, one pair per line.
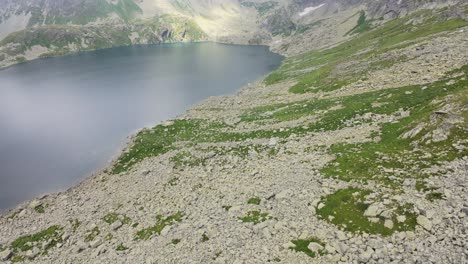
29,29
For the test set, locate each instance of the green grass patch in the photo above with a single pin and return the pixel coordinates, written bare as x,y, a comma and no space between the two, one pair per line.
363,24
204,237
161,222
92,234
255,217
345,208
52,235
433,196
302,245
254,200
110,218
108,237
121,247
75,223
17,258
365,161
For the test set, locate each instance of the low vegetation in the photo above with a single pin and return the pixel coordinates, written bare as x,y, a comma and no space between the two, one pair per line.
302,245
314,71
92,234
156,229
45,239
345,208
255,217
254,201
110,218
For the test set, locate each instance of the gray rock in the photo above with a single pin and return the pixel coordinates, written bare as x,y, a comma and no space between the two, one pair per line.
79,247
273,142
330,249
210,155
167,123
465,210
341,236
365,256
283,195
375,244
116,225
315,247
32,253
34,204
424,222
6,255
388,224
95,243
373,210
145,172
165,230
401,218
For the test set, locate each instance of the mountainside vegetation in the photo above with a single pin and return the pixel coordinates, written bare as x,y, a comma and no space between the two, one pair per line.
353,151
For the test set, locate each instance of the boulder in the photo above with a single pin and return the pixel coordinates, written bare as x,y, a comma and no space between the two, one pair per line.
6,255
424,222
373,210
315,247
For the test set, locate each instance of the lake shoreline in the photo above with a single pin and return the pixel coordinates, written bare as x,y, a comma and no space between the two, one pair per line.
80,52
129,138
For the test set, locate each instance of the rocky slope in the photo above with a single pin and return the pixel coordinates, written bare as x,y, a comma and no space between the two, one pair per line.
353,153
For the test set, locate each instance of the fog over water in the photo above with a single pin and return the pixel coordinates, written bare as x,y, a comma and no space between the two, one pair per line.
63,118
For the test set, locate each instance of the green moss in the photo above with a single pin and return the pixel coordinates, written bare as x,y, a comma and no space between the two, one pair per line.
175,241
255,217
161,222
52,234
110,218
302,245
204,237
108,237
17,258
75,223
345,208
92,234
173,182
121,247
226,207
434,196
186,159
254,200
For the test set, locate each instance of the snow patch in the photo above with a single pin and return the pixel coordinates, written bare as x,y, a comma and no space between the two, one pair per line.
309,10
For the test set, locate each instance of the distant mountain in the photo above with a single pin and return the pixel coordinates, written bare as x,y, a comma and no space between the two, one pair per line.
30,29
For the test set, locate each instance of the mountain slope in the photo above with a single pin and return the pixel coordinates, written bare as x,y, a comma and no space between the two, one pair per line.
353,151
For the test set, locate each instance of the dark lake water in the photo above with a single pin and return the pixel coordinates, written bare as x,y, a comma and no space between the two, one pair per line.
63,118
